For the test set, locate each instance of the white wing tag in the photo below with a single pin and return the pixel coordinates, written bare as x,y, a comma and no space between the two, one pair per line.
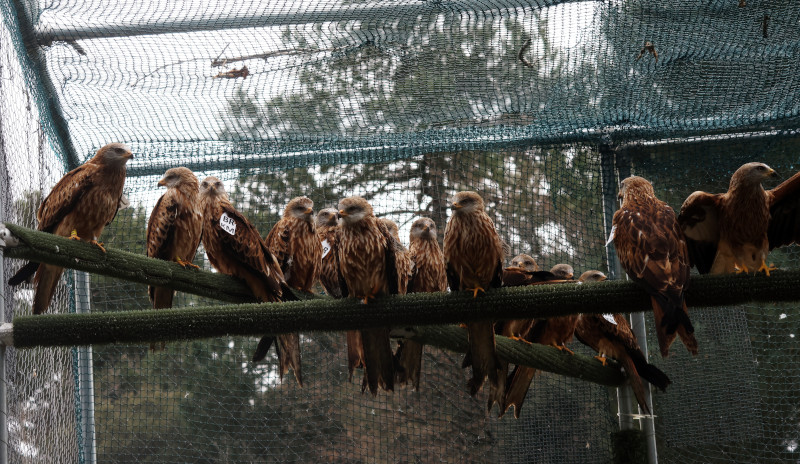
326,248
227,223
610,318
611,235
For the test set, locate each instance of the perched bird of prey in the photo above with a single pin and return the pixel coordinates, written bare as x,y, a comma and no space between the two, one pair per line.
327,226
611,336
368,256
174,228
405,267
563,271
295,244
331,279
473,254
734,231
235,247
653,252
555,332
293,241
79,206
429,276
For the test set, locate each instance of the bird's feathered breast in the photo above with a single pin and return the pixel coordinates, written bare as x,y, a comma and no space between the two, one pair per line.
174,227
650,245
429,269
472,249
362,257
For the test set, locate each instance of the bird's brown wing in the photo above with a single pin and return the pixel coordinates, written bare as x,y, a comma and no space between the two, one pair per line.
784,210
699,220
399,267
161,227
278,242
248,249
65,195
649,246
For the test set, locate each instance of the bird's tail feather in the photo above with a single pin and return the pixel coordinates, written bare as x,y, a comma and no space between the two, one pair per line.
355,351
684,329
635,382
161,297
647,371
686,336
289,355
409,358
483,354
378,360
45,283
517,388
23,274
497,390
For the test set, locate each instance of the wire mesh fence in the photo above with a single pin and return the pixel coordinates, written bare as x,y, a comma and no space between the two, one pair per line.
405,103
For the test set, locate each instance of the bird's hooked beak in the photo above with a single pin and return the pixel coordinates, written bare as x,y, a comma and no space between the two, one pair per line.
456,205
342,213
773,173
162,182
129,155
309,210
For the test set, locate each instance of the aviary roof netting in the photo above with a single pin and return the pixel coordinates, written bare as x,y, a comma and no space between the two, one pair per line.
541,106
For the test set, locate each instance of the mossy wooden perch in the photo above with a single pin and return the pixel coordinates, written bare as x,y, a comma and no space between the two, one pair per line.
325,314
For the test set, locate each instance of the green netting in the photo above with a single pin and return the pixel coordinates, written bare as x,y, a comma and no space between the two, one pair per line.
540,106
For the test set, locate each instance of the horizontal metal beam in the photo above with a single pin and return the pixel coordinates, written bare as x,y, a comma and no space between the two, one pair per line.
278,16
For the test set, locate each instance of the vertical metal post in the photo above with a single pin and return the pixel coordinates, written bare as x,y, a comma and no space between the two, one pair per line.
609,183
3,305
647,423
85,374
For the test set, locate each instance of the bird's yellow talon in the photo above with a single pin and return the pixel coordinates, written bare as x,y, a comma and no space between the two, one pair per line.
564,348
476,290
602,359
766,268
74,235
741,269
98,245
185,264
514,337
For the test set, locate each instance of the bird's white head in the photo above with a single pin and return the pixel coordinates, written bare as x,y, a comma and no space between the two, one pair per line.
752,174
300,208
113,154
526,262
354,209
424,229
179,177
563,271
466,203
327,217
212,187
592,276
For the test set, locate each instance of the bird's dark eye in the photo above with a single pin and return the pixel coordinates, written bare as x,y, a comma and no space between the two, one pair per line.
351,209
760,168
205,184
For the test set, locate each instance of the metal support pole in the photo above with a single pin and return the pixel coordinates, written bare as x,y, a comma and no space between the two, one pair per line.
647,423
85,374
609,183
3,304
